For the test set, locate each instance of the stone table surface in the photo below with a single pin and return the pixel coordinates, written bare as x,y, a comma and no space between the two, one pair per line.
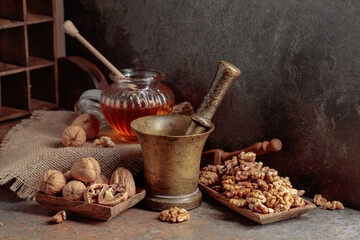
29,220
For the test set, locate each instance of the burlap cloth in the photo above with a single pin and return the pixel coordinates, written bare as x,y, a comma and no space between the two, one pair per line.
34,146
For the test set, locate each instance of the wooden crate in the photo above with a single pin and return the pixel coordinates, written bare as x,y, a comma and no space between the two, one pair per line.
28,60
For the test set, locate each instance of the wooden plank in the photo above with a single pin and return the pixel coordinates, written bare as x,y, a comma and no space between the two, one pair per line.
32,18
7,68
36,62
10,113
12,46
258,217
41,105
90,210
8,23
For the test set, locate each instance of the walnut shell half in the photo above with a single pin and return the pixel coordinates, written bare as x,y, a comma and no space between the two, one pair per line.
92,192
86,169
124,176
114,194
73,136
52,182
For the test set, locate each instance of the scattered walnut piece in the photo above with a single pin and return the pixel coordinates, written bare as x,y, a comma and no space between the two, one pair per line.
1,224
174,214
104,141
208,178
59,217
73,136
319,200
334,205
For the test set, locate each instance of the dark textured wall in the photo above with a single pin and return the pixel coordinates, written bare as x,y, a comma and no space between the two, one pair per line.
300,74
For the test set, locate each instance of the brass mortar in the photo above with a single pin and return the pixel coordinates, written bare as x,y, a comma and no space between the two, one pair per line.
172,146
171,160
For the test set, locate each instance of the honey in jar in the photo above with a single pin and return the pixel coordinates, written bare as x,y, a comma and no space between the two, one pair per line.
140,94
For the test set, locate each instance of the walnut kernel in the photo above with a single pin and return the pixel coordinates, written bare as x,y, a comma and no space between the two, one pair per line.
59,217
334,205
113,194
208,178
174,214
104,141
319,200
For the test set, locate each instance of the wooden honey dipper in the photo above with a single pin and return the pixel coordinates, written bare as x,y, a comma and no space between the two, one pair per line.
69,28
218,156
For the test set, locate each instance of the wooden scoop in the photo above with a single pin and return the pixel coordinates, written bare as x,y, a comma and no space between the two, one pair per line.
218,156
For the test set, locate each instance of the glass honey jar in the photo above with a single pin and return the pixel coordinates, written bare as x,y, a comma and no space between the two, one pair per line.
140,94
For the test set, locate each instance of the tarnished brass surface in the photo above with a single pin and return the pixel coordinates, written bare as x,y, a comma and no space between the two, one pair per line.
224,77
162,203
171,160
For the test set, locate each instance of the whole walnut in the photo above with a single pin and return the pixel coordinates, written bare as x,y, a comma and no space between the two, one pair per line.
124,176
73,136
85,169
89,123
52,182
74,190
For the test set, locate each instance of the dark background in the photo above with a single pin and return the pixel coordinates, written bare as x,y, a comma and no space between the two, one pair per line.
300,74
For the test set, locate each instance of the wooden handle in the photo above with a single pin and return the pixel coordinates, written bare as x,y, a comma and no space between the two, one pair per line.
259,149
225,76
69,28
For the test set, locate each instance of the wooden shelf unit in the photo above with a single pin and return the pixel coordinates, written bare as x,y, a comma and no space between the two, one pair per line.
28,60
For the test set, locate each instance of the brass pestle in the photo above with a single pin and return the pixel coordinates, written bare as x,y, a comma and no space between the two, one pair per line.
201,120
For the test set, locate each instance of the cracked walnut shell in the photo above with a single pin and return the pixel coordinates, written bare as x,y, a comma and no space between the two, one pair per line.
52,182
113,194
89,123
174,214
74,190
73,136
86,169
124,176
92,192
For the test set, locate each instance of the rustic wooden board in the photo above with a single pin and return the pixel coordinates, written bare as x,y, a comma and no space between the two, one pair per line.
258,217
90,210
